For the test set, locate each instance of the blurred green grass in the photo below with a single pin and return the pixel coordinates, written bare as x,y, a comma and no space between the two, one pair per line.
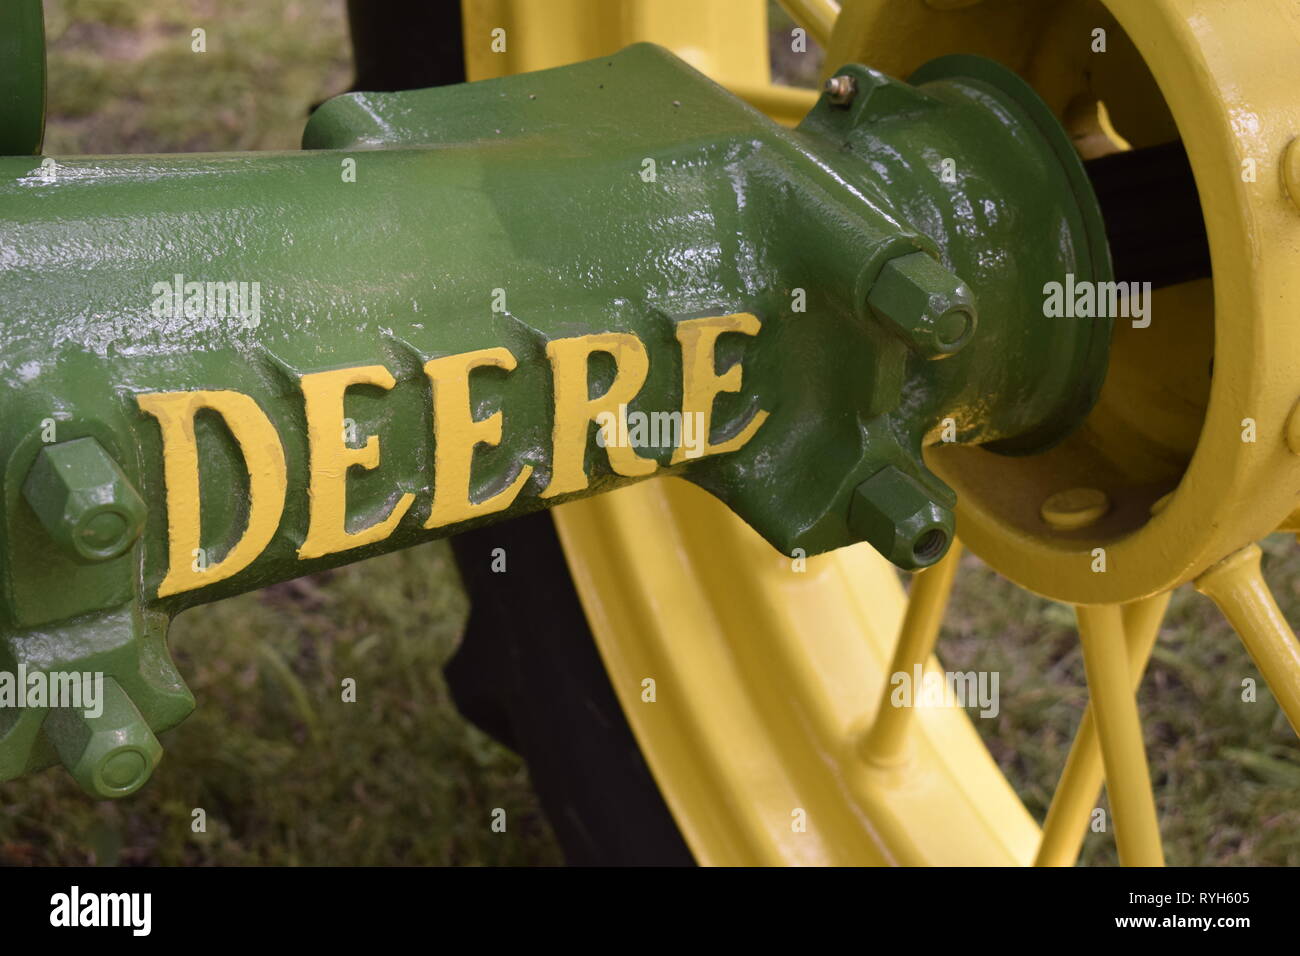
288,773
124,79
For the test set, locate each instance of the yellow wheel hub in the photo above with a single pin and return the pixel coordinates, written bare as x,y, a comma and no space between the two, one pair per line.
1223,78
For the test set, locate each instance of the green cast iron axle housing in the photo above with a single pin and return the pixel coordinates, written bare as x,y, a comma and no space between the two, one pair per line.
882,266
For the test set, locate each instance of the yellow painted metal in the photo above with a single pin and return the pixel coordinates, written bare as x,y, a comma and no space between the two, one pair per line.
725,39
766,677
1291,174
1293,423
1075,508
1119,730
886,742
816,16
1080,784
1222,75
1238,587
785,104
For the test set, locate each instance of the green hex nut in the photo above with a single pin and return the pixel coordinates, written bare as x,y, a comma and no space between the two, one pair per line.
897,517
84,500
110,754
929,307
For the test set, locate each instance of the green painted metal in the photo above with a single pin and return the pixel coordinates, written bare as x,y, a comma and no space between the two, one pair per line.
112,753
893,249
901,518
923,302
22,78
83,500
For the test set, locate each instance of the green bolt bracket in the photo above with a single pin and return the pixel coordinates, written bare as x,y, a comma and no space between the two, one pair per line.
143,693
74,520
970,291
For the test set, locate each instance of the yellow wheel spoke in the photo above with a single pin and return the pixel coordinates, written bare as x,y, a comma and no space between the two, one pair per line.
1080,785
1119,728
1236,585
815,16
927,601
788,105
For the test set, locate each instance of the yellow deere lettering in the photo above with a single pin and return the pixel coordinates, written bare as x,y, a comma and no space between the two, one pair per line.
457,433
331,458
701,383
267,481
574,411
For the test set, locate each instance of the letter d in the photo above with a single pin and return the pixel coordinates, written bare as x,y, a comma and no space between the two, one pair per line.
263,455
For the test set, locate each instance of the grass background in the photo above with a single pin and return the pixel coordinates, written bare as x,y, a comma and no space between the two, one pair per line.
288,775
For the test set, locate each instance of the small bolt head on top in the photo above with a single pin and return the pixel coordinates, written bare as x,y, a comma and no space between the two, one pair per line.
841,89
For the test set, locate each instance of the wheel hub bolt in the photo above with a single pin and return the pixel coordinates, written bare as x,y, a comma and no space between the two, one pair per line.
931,309
841,89
83,499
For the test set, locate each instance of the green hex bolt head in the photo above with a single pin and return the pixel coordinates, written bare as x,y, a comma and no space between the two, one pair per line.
111,754
897,517
84,500
929,307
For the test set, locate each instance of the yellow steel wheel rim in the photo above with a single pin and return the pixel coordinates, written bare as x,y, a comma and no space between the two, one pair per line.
766,678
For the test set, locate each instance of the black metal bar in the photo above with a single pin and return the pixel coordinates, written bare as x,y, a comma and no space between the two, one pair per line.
1153,215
